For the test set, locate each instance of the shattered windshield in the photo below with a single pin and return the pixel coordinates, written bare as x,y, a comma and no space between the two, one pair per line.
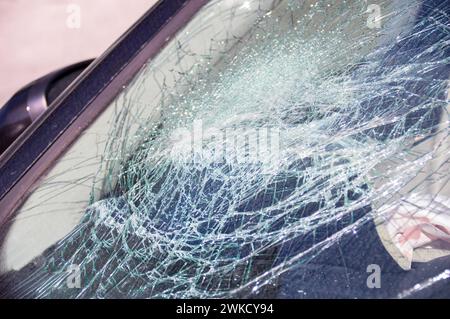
297,159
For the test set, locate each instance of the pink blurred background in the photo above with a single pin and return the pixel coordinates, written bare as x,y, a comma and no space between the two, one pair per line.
39,36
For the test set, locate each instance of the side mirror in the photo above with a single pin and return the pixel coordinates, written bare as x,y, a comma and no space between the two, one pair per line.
31,102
